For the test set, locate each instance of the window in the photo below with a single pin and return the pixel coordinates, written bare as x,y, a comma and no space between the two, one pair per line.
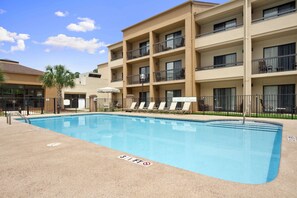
174,70
144,97
75,100
279,98
278,57
169,94
146,71
225,60
18,96
174,40
225,25
279,10
144,48
225,99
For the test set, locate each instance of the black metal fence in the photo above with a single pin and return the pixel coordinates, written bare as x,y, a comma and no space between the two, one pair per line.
137,53
136,79
170,74
269,106
274,64
170,44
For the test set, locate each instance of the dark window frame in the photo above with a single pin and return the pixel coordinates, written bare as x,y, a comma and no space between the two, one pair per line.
145,49
174,74
278,14
147,74
224,23
224,64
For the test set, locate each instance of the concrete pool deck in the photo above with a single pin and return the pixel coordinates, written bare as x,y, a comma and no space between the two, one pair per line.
29,168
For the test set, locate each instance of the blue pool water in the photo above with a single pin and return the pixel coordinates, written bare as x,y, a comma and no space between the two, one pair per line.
227,150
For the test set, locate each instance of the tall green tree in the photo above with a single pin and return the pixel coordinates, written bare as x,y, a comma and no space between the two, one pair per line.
59,77
1,77
76,74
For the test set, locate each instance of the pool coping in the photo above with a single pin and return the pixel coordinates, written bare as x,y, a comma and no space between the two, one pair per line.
283,185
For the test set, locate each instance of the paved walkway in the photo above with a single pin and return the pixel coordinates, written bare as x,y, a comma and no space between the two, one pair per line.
29,168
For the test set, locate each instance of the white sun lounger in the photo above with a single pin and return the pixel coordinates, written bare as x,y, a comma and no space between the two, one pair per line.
132,107
150,107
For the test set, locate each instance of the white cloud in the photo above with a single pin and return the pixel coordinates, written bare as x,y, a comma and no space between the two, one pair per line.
61,14
47,50
102,51
12,37
84,25
2,11
77,43
19,47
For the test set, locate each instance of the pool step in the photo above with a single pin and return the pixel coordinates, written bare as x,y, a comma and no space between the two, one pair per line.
246,126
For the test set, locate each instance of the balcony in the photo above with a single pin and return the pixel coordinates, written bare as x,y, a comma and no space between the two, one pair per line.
117,78
227,71
170,44
117,82
135,79
280,22
274,64
170,75
137,53
116,56
219,37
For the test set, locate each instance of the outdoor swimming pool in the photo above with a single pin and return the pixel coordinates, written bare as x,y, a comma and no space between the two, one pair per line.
227,150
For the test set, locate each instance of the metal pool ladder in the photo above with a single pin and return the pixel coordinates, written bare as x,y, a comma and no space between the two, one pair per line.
8,118
243,118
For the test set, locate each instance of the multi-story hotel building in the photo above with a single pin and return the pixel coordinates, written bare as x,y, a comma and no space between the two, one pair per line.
201,49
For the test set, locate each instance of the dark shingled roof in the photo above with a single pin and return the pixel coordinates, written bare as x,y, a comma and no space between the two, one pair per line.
9,66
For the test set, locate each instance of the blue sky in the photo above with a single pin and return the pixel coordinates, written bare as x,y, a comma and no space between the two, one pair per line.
73,33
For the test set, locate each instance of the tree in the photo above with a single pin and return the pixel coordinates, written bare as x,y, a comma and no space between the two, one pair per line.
76,74
95,71
1,77
58,76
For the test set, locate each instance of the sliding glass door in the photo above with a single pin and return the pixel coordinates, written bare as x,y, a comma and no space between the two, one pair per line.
279,98
174,70
225,99
281,58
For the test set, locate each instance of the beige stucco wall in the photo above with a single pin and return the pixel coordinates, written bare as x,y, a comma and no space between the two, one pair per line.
162,36
163,61
258,46
206,89
88,86
258,83
22,79
207,58
164,88
208,27
135,67
258,10
117,73
161,21
25,79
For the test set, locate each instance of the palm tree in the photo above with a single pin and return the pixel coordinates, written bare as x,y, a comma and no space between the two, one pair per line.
59,77
1,77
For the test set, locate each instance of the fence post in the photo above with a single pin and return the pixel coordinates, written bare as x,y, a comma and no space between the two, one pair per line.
55,106
257,105
28,113
293,111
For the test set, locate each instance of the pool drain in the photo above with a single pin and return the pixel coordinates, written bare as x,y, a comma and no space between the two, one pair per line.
292,138
53,144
